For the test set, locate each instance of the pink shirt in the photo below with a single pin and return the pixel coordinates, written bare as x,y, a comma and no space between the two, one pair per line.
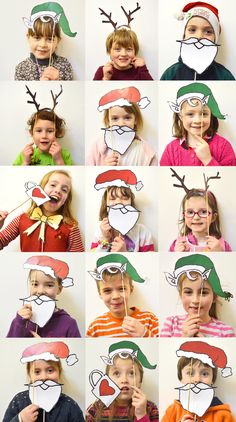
173,327
194,247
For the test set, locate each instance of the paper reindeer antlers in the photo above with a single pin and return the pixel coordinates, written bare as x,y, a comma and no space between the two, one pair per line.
183,186
37,105
127,14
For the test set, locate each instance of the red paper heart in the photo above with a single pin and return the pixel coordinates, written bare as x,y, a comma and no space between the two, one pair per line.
105,389
36,192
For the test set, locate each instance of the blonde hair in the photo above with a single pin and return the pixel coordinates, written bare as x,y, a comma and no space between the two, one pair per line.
108,276
132,109
45,29
124,38
54,364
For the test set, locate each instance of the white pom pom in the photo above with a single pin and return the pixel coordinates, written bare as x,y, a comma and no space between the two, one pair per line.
179,16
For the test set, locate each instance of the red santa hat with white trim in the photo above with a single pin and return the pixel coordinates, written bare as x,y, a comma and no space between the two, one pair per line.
50,266
122,97
207,354
119,178
54,351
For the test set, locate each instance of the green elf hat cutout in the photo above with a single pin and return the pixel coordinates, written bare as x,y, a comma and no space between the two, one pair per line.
125,349
114,263
46,11
197,91
204,267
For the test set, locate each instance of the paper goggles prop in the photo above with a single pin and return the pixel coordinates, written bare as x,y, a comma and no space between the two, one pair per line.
127,14
119,138
49,11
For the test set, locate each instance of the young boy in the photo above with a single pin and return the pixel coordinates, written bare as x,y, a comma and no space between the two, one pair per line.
199,46
39,315
114,276
122,46
197,372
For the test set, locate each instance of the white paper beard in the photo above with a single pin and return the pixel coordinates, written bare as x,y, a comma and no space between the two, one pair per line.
122,217
198,54
42,308
45,393
196,397
119,138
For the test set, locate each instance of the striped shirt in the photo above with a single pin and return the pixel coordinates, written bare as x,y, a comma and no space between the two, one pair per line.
107,325
173,326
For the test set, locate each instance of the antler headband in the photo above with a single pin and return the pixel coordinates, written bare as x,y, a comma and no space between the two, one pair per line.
37,105
183,186
127,14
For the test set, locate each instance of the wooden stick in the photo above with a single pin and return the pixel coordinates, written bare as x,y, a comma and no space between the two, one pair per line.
123,288
190,379
53,33
199,306
18,206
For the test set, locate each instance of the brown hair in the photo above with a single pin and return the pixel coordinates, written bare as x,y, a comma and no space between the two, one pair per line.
183,361
214,228
45,29
123,38
107,276
132,109
196,275
114,191
51,117
32,272
54,364
65,210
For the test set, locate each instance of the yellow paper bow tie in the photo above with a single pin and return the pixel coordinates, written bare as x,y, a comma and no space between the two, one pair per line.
41,220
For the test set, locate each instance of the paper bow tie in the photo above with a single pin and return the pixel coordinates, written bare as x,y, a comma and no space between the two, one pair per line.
41,220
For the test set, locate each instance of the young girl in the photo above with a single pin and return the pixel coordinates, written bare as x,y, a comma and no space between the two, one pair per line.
121,144
47,277
44,366
44,35
195,126
127,373
44,127
199,295
55,230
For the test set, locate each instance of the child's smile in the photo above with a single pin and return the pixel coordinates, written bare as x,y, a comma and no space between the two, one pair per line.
196,120
122,57
198,225
42,47
58,188
194,293
44,134
113,294
43,284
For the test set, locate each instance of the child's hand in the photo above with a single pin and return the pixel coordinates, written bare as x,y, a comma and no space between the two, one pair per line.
26,311
202,150
181,245
138,62
55,151
191,326
50,74
139,401
27,153
187,418
118,244
29,413
107,71
3,216
106,229
133,327
214,244
111,159
34,334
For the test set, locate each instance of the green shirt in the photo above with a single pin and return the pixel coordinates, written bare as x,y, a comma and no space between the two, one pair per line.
44,158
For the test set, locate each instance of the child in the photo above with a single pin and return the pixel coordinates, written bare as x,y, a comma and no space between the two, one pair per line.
44,366
114,276
199,288
55,230
125,367
47,278
200,230
201,30
196,115
197,372
118,205
44,35
121,144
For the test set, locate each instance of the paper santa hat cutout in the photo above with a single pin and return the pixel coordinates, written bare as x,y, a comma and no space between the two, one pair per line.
207,354
36,193
50,266
49,351
122,97
119,178
103,388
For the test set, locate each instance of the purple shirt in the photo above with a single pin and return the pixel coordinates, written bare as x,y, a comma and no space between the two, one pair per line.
133,74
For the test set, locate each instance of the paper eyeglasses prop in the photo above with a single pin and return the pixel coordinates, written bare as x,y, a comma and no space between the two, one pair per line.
183,186
127,14
37,105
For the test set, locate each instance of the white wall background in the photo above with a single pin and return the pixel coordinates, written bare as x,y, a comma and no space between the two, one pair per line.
99,347
14,376
94,118
144,295
170,30
15,280
170,198
144,25
15,112
14,31
168,378
147,200
225,267
224,93
13,193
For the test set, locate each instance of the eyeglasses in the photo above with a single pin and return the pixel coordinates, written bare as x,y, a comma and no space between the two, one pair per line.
202,213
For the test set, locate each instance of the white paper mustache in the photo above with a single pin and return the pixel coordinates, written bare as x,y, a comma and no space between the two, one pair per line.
122,217
198,54
196,397
45,393
119,138
199,42
42,308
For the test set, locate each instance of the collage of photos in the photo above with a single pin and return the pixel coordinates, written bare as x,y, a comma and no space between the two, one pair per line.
118,127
